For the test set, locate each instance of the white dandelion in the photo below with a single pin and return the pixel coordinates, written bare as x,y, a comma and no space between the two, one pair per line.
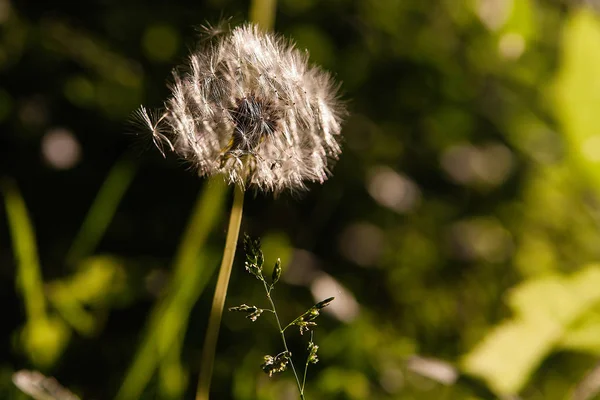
248,105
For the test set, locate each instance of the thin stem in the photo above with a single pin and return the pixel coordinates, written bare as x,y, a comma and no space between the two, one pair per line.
216,312
285,346
288,325
307,361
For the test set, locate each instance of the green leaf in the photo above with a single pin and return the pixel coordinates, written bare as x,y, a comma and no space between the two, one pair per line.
546,311
29,276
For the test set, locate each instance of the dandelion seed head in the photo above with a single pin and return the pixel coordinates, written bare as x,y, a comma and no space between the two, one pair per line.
250,107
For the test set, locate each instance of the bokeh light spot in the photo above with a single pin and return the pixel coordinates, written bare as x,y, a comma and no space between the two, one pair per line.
392,190
481,239
494,13
60,148
438,370
591,148
362,243
344,307
511,45
489,164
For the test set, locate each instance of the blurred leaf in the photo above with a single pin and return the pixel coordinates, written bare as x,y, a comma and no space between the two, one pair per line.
173,376
44,340
521,19
100,281
29,278
102,210
576,92
351,384
584,335
589,387
545,311
99,278
192,271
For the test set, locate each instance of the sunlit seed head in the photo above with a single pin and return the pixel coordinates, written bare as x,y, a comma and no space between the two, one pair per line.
247,105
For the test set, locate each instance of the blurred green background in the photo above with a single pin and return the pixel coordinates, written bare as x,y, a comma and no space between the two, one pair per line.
460,232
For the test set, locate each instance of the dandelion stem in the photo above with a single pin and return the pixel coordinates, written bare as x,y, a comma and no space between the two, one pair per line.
262,12
281,331
216,312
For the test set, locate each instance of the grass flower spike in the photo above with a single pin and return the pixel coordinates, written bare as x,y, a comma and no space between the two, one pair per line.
249,106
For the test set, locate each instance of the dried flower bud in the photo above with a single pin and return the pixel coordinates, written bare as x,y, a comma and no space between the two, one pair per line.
249,106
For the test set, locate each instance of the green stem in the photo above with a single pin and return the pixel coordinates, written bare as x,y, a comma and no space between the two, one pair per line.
262,12
307,361
281,331
216,312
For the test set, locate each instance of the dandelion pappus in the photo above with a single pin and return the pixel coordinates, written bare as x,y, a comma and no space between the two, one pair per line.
248,105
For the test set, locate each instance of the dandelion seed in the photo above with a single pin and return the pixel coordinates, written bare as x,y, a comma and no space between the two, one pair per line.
248,106
154,121
210,31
